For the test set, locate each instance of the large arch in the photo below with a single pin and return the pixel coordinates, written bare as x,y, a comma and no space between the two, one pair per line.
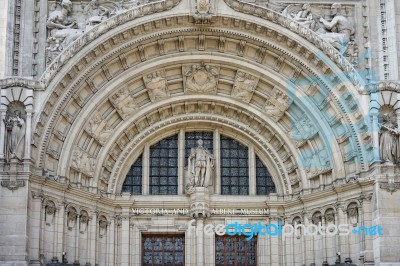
84,78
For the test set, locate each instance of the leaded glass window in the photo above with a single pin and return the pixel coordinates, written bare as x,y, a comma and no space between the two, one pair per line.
133,180
264,182
235,250
163,250
191,139
234,167
164,167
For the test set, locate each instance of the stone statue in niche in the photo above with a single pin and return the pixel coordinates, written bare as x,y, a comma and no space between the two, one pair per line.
96,12
244,86
50,211
352,214
303,129
276,105
63,29
389,146
337,31
83,162
125,103
15,134
201,78
102,226
99,129
72,216
200,167
203,14
156,85
83,222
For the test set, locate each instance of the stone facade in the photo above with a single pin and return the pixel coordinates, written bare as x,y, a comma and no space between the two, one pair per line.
89,87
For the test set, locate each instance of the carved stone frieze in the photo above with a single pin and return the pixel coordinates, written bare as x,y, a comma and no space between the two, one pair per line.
83,161
99,129
124,102
244,86
276,105
156,85
201,78
303,129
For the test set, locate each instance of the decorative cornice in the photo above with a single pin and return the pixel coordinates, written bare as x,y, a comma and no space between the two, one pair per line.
20,82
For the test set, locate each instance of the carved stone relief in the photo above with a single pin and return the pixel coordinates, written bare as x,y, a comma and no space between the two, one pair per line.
201,78
83,161
15,132
318,162
337,30
124,103
68,21
50,211
303,129
244,86
102,226
277,104
99,129
156,85
203,12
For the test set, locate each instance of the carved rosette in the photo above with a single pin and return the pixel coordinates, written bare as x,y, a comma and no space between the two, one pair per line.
244,86
83,162
156,85
201,78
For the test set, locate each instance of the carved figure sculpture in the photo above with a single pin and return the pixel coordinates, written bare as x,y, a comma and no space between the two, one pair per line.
125,103
201,165
15,136
338,30
201,78
389,141
244,86
277,104
156,85
304,129
63,27
99,129
304,16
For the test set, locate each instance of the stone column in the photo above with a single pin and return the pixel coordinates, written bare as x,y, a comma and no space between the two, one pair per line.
275,248
200,241
3,112
93,239
35,228
125,241
77,235
28,134
60,232
111,248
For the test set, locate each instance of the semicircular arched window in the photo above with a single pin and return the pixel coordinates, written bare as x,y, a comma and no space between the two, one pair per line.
160,169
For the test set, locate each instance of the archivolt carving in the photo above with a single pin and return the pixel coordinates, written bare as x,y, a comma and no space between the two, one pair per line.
156,85
244,86
201,78
99,129
83,161
72,85
125,103
303,129
276,105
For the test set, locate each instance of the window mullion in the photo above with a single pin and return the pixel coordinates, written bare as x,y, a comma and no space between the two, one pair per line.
146,170
181,161
252,171
217,156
